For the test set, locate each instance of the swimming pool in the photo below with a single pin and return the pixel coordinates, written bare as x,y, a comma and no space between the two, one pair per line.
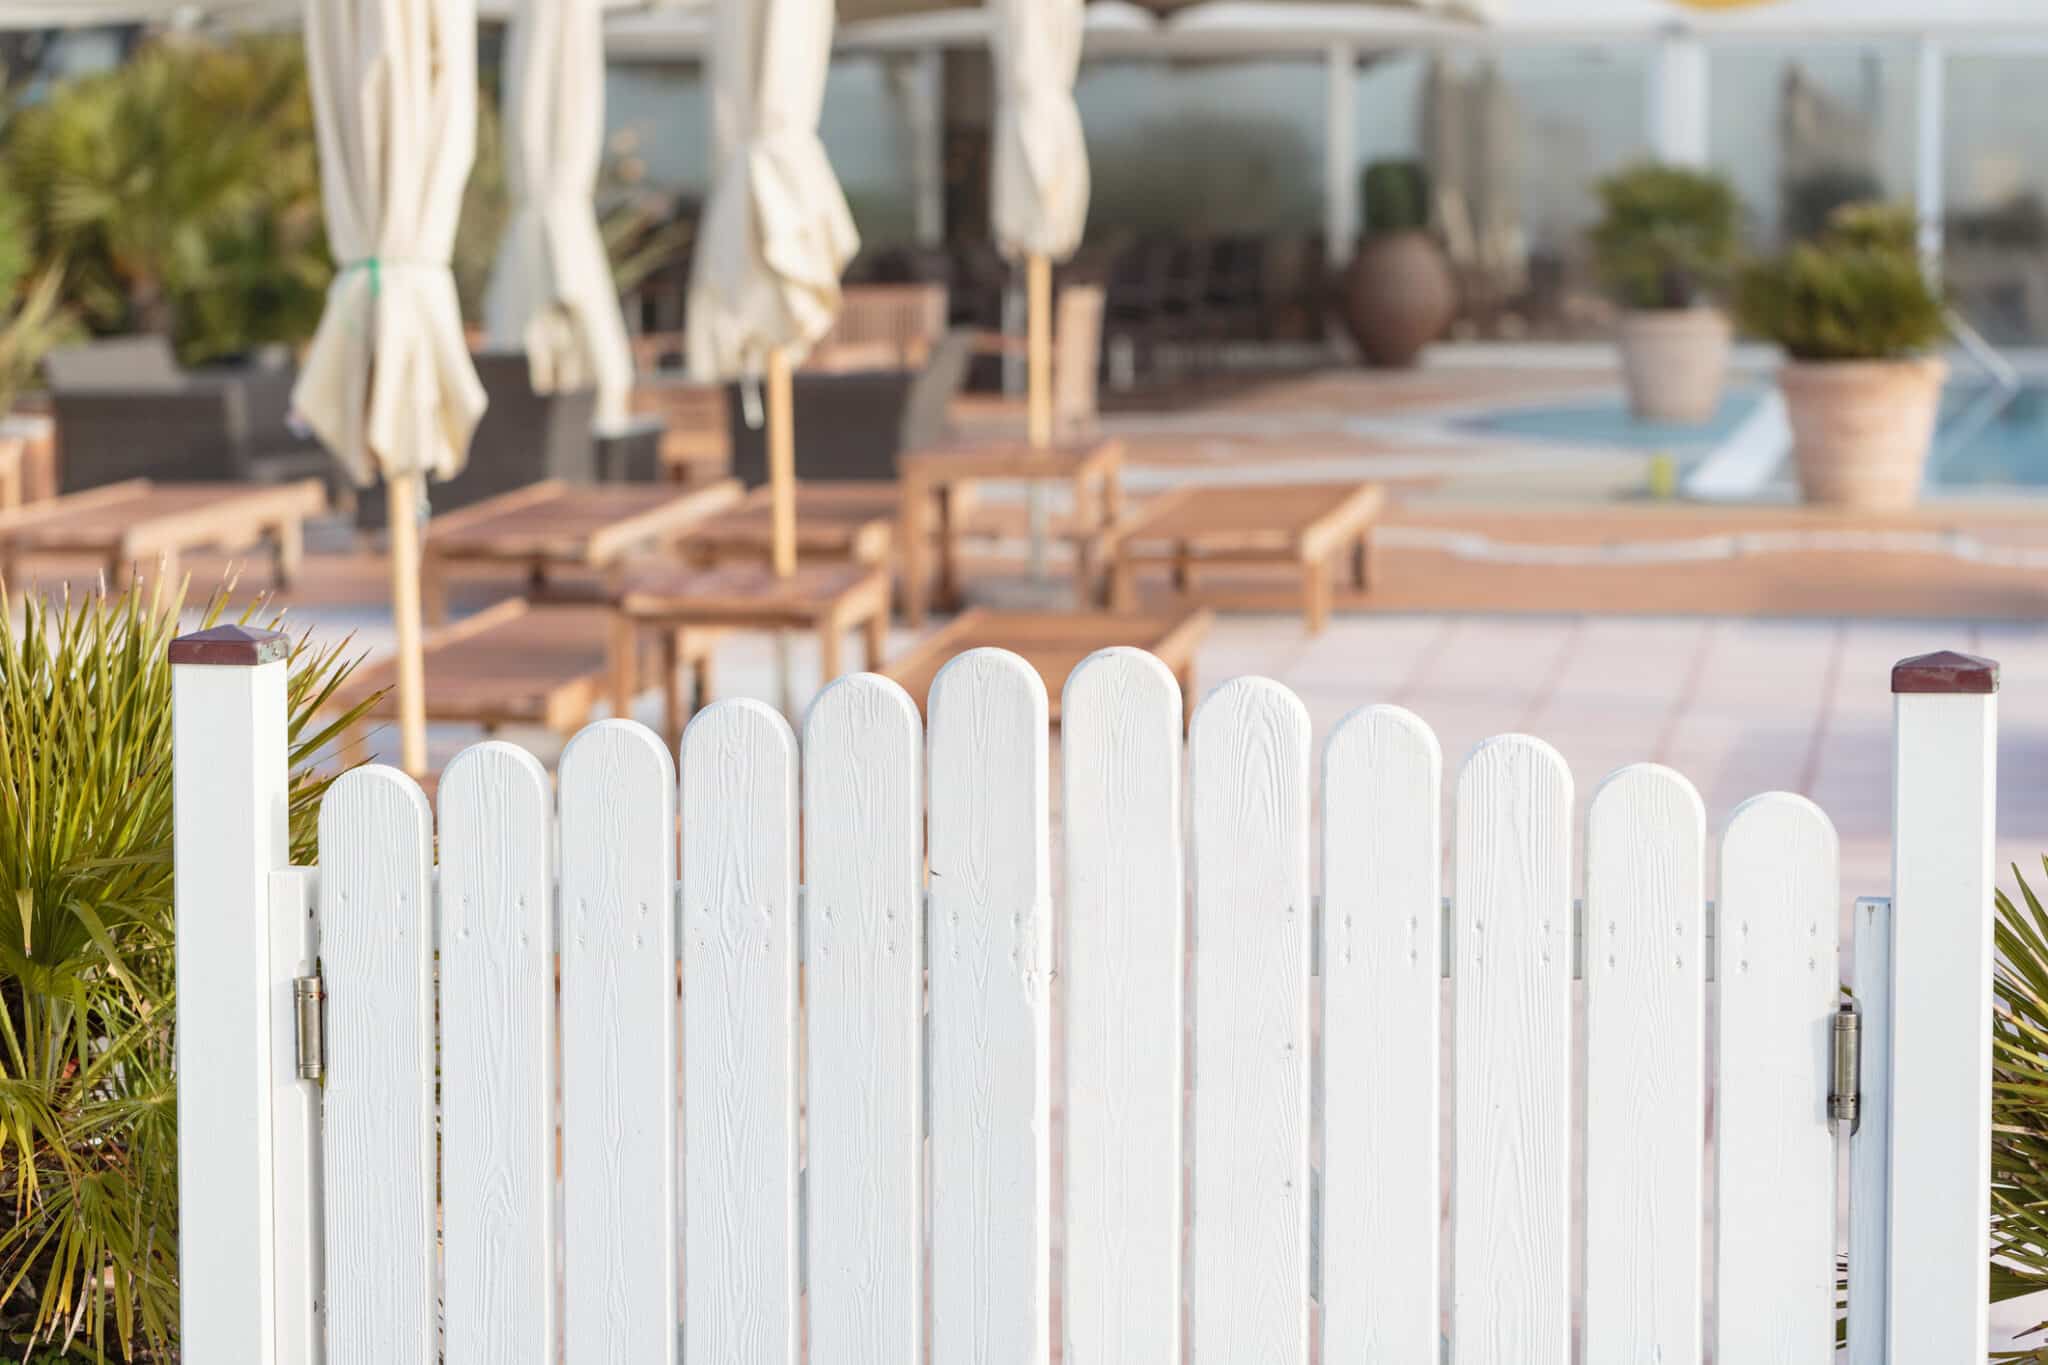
1987,436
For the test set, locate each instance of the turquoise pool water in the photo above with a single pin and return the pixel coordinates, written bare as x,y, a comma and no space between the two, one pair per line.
1987,437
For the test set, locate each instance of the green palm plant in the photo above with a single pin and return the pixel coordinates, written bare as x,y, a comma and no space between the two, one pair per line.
88,1101
2019,1103
32,313
180,193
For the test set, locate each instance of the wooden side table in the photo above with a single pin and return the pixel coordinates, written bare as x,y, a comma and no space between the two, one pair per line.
829,599
1094,468
140,522
1309,526
846,522
554,525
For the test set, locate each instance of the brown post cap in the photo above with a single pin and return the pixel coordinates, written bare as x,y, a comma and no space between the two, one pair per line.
231,645
1945,671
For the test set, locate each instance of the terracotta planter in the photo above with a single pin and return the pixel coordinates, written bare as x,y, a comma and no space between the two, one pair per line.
1674,362
1861,429
1399,295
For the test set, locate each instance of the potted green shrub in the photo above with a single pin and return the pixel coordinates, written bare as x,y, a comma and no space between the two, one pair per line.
1665,247
1857,316
1399,294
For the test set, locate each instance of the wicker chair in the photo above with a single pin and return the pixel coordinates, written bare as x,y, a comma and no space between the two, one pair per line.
525,436
125,410
851,426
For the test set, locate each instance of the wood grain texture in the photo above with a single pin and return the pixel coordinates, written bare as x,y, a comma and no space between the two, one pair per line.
1381,957
497,1058
1248,777
376,941
1124,959
1774,1181
863,795
739,790
1511,1046
619,1186
990,1055
1870,1153
1645,1086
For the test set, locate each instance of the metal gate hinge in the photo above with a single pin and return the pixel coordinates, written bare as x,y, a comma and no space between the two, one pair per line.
1845,1077
308,998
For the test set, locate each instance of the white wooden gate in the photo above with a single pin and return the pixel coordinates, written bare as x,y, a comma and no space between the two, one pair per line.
789,1094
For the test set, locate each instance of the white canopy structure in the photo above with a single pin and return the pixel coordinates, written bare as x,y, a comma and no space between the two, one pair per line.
776,232
388,384
551,291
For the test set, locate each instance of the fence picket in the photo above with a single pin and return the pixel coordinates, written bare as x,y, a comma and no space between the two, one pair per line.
864,966
1774,1182
739,788
991,951
1382,991
1511,1029
1645,1086
619,1046
376,940
497,1058
1248,777
1122,966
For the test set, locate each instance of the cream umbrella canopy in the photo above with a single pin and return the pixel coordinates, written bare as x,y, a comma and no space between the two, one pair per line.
551,290
1039,195
776,232
388,385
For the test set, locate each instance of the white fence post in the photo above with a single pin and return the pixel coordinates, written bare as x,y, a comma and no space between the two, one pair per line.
1944,816
229,729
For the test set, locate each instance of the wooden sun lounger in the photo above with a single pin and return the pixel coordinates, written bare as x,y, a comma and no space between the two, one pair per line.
515,664
139,523
555,525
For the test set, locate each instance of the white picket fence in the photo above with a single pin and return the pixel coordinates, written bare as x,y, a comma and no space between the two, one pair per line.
788,1093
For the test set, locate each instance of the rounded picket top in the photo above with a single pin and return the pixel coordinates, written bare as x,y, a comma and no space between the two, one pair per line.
860,711
1515,769
981,681
1120,679
1641,799
1377,741
617,752
379,798
504,765
727,730
1245,707
1776,825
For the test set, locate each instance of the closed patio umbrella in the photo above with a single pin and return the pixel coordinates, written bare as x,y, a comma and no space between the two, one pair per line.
551,291
1039,195
388,385
776,232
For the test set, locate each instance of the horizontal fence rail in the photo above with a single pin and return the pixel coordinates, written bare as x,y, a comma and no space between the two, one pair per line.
783,1085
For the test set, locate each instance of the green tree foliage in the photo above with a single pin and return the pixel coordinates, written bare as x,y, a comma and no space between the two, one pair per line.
88,1100
180,193
1667,236
1857,292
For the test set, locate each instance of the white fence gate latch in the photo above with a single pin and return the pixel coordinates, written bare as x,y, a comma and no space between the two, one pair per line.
1845,1080
307,1000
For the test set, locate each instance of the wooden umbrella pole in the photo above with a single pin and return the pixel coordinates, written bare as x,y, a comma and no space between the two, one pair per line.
782,463
402,510
781,422
1038,399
